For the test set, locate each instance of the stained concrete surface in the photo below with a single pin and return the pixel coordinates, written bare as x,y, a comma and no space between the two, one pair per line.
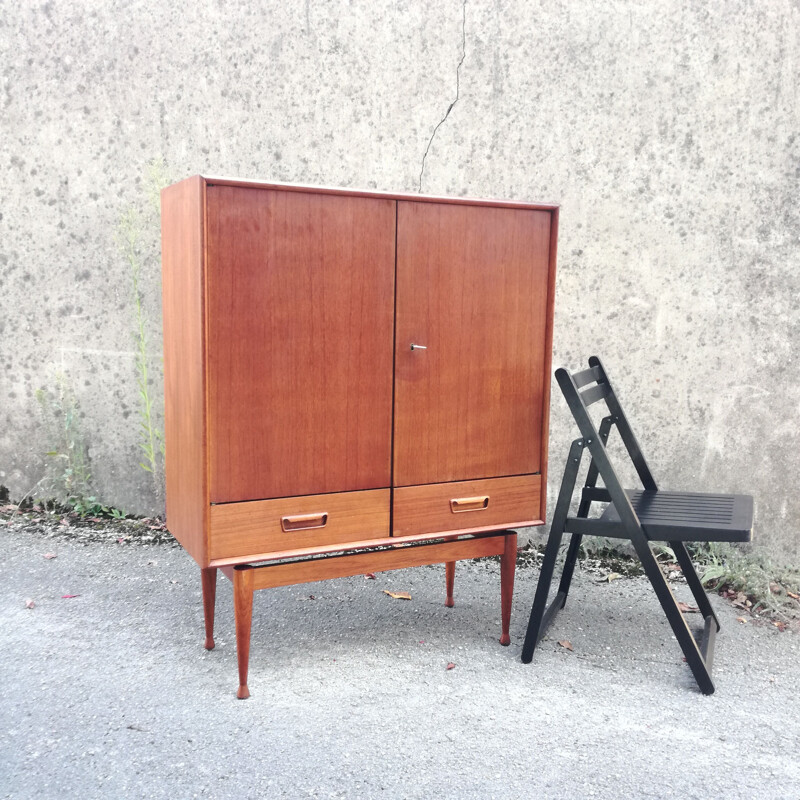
668,134
110,694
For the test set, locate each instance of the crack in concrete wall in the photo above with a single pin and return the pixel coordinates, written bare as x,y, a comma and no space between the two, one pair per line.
458,90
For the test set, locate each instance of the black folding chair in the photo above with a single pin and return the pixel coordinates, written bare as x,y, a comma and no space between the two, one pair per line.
641,515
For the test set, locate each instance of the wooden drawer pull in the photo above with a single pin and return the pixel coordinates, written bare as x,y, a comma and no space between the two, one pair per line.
459,504
302,522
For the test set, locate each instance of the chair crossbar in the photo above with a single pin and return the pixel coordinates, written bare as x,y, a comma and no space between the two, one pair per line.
585,376
595,494
640,516
594,527
595,393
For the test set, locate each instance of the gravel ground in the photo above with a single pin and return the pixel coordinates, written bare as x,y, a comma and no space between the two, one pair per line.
110,694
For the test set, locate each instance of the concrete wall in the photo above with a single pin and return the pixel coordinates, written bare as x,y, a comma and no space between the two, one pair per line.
668,132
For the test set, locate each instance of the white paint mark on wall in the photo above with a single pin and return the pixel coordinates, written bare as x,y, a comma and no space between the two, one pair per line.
88,351
722,419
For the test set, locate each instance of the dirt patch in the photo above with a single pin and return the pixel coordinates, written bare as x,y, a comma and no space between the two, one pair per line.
59,523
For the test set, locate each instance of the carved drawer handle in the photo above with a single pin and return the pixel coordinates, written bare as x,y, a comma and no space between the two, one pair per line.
459,504
303,522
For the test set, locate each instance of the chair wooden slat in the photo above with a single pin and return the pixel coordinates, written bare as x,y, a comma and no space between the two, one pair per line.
595,393
590,375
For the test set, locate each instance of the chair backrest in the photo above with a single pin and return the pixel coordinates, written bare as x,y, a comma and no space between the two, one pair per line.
584,388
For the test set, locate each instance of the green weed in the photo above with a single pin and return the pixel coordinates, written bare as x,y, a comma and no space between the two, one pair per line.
765,584
130,240
68,479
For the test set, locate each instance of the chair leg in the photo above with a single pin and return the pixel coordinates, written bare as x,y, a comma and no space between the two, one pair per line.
541,616
689,572
694,657
583,511
209,581
449,579
569,566
243,614
508,565
536,627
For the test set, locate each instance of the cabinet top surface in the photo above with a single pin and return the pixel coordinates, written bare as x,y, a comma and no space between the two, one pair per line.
215,180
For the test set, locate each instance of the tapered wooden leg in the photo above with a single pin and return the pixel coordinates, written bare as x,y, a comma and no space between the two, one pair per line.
449,577
209,578
508,565
243,612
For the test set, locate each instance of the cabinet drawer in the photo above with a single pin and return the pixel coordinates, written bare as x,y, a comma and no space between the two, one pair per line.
289,523
467,505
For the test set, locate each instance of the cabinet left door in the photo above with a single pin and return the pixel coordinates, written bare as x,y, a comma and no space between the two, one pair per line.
299,342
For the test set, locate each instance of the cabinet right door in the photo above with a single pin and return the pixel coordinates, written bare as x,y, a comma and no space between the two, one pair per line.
471,297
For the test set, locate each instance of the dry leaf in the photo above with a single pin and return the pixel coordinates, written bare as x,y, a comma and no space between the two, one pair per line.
567,645
69,596
687,609
29,603
450,665
50,556
741,619
370,576
398,595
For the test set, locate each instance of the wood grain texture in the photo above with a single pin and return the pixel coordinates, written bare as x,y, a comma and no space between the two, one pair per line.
300,333
472,286
508,566
182,225
547,367
337,191
513,502
449,583
209,581
379,561
239,530
243,618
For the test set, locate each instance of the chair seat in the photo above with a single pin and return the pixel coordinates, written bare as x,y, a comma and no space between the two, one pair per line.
689,516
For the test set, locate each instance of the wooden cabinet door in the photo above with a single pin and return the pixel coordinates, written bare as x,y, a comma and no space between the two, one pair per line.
471,289
299,304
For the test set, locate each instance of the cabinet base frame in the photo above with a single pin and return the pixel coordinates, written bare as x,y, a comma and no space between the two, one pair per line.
247,578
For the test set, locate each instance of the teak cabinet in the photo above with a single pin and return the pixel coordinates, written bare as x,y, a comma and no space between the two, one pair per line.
351,373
